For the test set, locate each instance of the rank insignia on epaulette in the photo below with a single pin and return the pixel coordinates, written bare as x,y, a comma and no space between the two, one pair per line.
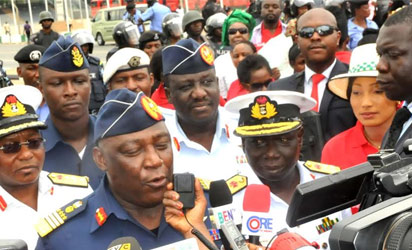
54,220
321,168
205,184
100,216
236,183
3,204
69,180
176,143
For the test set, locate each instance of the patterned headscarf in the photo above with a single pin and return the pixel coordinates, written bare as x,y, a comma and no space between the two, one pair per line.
235,17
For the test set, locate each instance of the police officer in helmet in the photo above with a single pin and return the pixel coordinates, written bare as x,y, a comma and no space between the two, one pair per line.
172,28
46,35
125,34
98,91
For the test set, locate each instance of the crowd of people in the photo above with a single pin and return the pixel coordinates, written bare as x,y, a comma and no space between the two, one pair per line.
279,94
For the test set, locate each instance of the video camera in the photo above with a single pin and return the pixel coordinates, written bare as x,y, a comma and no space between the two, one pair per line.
4,80
383,187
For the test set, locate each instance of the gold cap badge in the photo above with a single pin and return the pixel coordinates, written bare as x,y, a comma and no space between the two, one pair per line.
12,107
77,57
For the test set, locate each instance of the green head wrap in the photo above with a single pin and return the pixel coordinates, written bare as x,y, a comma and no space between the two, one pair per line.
237,16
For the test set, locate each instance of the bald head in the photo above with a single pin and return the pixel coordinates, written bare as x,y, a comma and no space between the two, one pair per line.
320,15
320,38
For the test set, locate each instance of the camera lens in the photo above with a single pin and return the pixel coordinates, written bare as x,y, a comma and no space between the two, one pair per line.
399,236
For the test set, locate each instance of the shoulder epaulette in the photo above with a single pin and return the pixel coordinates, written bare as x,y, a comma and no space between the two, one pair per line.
321,168
94,60
69,180
54,220
236,183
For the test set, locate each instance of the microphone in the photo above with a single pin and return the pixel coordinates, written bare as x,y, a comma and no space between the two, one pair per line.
13,244
124,243
256,206
222,210
292,241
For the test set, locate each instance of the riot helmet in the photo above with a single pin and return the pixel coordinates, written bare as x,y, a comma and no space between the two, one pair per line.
215,21
84,37
126,34
172,25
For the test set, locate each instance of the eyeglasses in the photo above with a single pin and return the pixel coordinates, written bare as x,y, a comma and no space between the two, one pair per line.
241,31
259,85
323,30
14,147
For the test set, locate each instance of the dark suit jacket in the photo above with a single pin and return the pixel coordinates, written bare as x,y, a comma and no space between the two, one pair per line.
336,114
399,144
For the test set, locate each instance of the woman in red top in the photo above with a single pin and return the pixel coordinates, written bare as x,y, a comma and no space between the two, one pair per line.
239,52
371,107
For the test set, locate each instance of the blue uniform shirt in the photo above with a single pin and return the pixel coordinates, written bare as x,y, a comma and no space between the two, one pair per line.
83,232
134,19
355,32
156,14
61,157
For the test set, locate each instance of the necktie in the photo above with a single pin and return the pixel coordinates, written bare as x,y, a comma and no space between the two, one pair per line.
401,116
316,78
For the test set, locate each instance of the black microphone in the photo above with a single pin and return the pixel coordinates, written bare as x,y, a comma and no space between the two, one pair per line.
13,245
124,243
221,202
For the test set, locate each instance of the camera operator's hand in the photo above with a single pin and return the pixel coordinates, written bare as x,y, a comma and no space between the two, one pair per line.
174,214
254,247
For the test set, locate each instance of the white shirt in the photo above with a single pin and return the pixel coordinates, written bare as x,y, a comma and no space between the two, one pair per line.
279,209
17,220
226,73
322,84
280,45
225,159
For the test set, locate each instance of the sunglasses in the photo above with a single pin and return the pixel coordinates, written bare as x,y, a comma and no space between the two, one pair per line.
241,31
14,147
259,85
323,30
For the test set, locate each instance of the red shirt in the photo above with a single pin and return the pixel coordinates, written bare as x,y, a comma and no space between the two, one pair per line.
267,35
348,148
343,56
160,98
236,89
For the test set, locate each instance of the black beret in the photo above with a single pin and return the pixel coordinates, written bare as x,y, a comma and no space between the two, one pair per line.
149,36
29,54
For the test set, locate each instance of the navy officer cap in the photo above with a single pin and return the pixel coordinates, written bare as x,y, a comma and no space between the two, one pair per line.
187,57
64,55
125,112
29,54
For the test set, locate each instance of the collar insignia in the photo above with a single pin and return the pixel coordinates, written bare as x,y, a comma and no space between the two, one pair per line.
207,55
262,108
77,57
151,108
134,62
100,216
3,204
12,107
